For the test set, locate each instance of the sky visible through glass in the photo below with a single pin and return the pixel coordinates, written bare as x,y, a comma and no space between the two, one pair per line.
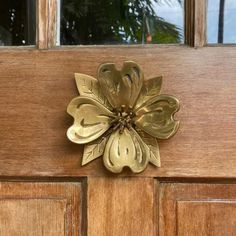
171,12
228,29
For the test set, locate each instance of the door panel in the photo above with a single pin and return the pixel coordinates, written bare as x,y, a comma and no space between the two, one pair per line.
206,217
51,209
19,217
197,209
36,87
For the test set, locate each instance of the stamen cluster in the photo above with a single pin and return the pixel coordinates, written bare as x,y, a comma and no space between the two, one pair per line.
123,119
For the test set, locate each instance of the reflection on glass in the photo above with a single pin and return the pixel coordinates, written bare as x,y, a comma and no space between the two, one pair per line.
121,21
17,22
221,18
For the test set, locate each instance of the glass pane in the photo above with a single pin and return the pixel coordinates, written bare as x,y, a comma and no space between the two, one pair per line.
121,21
221,20
17,22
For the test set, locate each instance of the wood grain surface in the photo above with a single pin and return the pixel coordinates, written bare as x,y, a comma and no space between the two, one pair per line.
36,87
121,206
197,209
32,217
195,22
46,23
200,23
189,22
51,209
206,217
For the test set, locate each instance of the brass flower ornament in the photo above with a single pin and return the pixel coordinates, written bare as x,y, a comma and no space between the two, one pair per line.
120,116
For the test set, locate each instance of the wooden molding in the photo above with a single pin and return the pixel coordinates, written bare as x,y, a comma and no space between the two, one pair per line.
194,17
200,23
195,22
46,23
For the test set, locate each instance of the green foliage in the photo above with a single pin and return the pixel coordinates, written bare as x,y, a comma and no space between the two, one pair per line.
115,22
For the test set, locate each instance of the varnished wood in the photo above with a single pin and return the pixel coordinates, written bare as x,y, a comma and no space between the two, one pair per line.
200,23
121,206
195,22
189,22
32,217
40,209
47,23
52,23
206,217
197,209
36,86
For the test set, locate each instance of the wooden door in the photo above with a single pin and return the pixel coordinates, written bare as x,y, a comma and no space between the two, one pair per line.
45,191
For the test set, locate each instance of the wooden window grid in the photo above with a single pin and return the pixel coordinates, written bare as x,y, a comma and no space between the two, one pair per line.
48,14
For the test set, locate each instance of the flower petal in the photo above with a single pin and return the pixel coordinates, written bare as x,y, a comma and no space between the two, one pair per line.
88,86
125,149
156,116
91,120
150,89
121,87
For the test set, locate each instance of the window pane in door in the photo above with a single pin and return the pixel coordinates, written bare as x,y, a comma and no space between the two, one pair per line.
17,22
221,18
121,22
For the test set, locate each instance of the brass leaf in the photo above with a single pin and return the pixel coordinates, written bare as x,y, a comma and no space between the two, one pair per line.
89,87
152,144
94,150
150,89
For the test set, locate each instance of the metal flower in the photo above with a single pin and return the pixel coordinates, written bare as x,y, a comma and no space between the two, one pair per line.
121,116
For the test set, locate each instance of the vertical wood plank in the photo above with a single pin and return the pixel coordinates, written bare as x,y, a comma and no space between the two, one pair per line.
200,23
52,23
189,22
121,206
47,23
195,22
42,25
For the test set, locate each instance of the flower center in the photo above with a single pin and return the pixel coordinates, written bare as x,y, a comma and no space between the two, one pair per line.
123,119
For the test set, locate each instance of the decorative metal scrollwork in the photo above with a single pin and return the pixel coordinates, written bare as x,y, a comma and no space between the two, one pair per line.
120,116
